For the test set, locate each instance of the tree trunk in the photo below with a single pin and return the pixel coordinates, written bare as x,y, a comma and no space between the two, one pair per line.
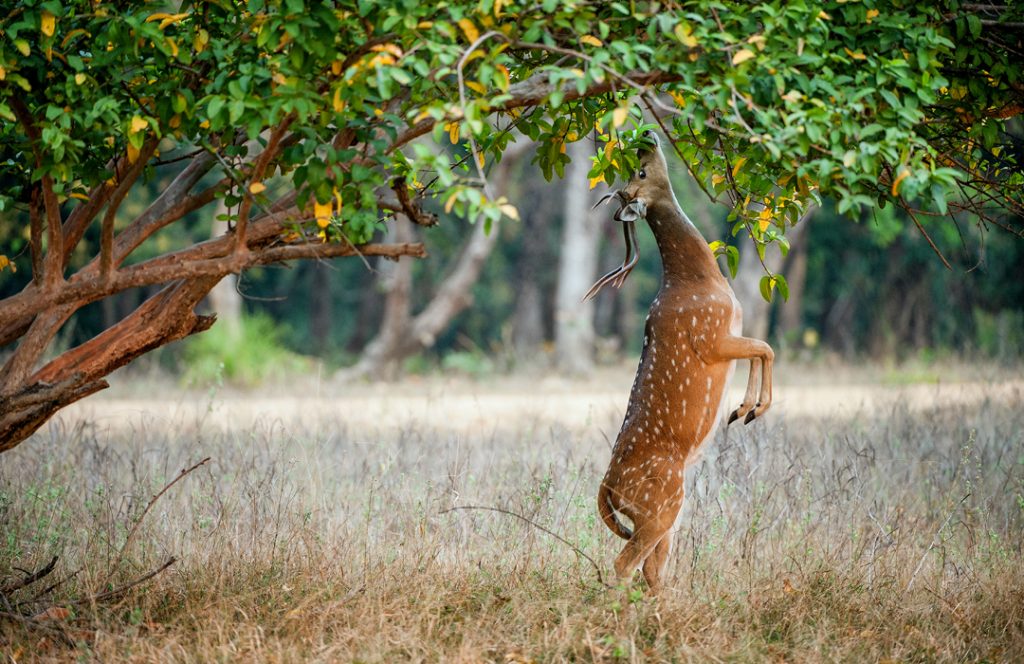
577,268
528,317
382,356
224,299
402,335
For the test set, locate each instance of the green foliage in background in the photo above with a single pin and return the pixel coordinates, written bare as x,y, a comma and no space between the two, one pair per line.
246,356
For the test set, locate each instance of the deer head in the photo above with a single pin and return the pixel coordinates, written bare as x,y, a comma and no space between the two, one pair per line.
648,184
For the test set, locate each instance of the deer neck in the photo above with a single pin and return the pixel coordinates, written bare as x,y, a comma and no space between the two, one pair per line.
685,256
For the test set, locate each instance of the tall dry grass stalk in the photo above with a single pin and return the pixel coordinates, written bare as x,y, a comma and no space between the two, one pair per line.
891,534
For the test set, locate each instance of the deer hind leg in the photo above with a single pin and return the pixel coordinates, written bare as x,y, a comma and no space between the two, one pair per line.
647,536
744,348
654,566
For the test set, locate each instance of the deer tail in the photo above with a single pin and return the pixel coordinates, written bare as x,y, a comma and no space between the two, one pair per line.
607,511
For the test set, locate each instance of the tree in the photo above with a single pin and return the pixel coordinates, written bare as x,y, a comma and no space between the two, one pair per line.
307,119
577,270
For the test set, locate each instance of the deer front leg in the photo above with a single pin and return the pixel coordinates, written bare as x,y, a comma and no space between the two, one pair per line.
744,348
750,396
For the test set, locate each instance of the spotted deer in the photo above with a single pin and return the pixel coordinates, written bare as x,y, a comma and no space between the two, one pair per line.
691,342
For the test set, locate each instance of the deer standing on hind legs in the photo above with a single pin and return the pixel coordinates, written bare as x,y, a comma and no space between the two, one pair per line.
691,342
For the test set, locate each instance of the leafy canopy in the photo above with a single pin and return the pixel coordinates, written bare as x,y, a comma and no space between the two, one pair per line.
770,105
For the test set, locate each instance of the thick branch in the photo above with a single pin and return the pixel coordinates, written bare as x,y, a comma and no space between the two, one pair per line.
118,195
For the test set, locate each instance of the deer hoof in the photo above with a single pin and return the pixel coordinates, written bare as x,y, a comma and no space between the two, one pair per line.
735,416
750,416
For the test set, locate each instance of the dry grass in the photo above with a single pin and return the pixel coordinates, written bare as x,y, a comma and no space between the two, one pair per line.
891,532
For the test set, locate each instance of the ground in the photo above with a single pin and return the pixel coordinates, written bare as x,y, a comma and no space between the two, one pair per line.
875,514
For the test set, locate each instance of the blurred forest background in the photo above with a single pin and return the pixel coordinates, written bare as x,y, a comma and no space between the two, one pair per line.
510,300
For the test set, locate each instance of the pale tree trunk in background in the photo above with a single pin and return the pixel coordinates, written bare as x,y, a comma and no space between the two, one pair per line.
224,299
528,318
746,285
577,268
401,334
383,354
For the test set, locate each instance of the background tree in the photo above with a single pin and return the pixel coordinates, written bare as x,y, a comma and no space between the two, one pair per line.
305,118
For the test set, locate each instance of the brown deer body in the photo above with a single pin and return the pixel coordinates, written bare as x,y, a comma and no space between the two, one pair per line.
691,342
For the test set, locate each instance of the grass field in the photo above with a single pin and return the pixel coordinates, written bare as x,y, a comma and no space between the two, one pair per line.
866,520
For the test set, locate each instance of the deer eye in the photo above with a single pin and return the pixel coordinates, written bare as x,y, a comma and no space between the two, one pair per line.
642,174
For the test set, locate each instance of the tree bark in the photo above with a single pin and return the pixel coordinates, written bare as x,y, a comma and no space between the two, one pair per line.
577,268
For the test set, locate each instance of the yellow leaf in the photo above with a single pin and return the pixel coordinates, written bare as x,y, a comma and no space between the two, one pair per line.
758,41
678,98
174,18
337,197
717,179
592,40
469,29
22,47
3,73
47,23
497,7
4,262
739,164
856,55
742,55
509,211
138,124
200,41
174,122
684,33
257,188
594,180
393,49
825,17
174,47
619,116
764,219
476,87
480,159
450,203
336,67
322,212
133,153
79,78
453,132
505,78
425,25
872,13
899,178
338,103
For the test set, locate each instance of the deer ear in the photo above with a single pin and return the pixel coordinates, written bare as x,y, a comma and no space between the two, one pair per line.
632,211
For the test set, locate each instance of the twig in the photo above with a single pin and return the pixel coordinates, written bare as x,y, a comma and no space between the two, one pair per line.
128,586
927,237
149,505
579,553
30,578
